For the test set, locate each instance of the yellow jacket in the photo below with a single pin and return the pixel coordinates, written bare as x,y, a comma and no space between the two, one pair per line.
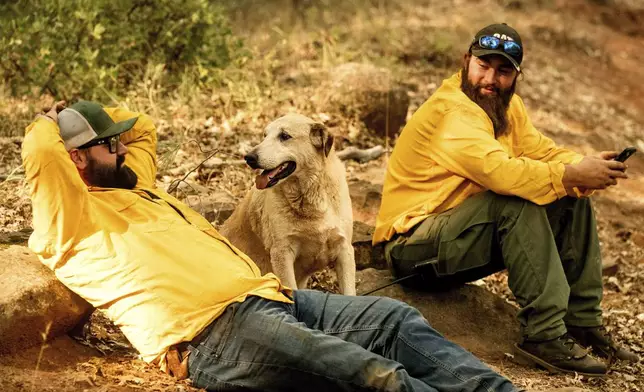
162,275
447,152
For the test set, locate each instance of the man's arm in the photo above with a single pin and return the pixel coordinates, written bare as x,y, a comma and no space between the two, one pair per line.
582,174
141,142
58,194
465,145
530,143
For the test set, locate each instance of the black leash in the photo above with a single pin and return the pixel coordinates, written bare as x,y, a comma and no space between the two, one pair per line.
392,283
417,267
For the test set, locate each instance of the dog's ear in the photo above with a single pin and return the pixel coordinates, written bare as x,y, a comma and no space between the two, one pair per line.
321,138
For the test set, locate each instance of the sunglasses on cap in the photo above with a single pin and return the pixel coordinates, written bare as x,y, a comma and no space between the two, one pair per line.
112,142
491,42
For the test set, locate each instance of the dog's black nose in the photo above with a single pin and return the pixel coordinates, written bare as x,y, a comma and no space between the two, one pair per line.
251,160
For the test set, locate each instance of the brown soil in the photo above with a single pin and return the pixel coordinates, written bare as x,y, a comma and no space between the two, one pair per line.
65,365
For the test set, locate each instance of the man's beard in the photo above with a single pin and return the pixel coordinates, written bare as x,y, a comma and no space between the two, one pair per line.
495,106
106,176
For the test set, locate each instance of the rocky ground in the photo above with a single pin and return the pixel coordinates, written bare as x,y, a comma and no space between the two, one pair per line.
582,85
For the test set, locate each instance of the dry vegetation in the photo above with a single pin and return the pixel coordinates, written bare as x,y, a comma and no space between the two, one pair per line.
581,84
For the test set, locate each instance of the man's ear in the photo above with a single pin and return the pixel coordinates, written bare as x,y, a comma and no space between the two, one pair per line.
466,59
79,158
321,138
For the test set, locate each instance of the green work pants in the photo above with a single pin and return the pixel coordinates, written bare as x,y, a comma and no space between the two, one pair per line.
551,253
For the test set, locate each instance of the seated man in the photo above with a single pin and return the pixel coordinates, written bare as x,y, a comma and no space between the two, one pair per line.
191,302
474,186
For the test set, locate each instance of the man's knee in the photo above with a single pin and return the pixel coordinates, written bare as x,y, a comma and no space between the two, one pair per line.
394,306
403,312
513,207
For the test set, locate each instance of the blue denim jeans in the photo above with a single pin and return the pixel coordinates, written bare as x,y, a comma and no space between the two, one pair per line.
326,342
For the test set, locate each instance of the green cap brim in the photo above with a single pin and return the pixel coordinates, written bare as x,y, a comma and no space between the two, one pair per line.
487,52
119,127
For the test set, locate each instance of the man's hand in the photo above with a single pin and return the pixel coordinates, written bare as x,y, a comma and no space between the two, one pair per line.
608,155
595,172
52,112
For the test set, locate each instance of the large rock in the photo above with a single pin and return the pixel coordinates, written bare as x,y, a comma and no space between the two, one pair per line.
216,208
34,305
370,94
469,315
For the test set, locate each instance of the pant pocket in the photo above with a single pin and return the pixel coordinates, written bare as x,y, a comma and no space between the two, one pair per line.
214,344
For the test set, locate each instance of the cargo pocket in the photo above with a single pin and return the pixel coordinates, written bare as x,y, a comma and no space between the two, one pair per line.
416,247
466,249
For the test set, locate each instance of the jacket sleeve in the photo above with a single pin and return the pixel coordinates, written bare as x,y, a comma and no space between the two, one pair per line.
58,194
464,144
531,143
141,142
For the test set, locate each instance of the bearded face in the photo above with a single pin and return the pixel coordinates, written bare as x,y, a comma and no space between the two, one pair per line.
491,97
110,176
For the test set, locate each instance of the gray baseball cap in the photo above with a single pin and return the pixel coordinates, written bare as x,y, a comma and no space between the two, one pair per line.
86,121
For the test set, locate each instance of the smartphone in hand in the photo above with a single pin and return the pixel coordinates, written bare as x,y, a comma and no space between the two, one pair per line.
624,155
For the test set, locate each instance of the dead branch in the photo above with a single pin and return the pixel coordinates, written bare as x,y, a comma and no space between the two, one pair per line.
361,155
16,174
219,163
174,184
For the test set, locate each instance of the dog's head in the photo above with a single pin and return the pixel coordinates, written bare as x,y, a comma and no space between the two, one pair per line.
292,144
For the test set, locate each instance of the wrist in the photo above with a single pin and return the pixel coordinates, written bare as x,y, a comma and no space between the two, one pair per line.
46,116
570,177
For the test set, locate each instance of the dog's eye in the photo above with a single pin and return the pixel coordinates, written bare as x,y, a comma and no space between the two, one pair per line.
284,136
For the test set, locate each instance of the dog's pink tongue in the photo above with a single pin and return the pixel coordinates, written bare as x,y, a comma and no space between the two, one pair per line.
263,179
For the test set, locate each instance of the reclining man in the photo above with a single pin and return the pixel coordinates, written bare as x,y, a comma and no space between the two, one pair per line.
474,186
191,302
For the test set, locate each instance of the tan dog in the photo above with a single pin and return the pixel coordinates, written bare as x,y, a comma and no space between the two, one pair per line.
298,220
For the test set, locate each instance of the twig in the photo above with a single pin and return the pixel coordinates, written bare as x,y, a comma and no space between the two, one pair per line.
234,162
15,174
7,177
45,336
359,155
174,152
174,184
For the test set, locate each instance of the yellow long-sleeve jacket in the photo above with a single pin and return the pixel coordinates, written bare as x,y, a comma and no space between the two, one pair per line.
160,271
447,152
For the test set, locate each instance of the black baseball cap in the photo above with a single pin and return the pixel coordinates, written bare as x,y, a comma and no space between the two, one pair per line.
503,32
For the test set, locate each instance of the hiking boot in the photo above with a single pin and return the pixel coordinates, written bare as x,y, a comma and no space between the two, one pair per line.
561,355
601,343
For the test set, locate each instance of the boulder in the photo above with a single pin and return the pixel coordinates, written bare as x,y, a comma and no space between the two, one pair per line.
370,94
469,315
34,305
216,208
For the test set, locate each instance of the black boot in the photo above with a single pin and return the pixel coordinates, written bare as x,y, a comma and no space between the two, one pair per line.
561,355
601,343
